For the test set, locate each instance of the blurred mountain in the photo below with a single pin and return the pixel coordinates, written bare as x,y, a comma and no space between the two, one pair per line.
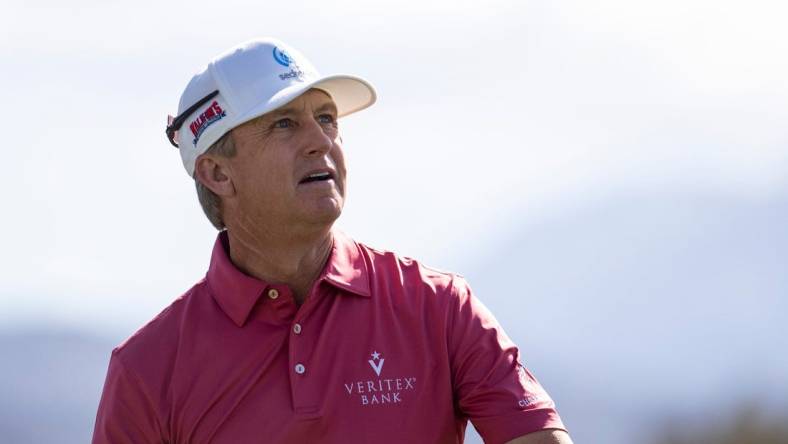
748,424
634,309
50,384
635,312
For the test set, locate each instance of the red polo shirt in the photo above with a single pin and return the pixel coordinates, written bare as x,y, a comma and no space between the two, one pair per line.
383,350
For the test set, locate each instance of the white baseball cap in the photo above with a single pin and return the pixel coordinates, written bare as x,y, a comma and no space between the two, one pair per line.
246,82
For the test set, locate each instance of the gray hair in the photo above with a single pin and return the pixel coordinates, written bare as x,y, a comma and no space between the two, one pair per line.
210,202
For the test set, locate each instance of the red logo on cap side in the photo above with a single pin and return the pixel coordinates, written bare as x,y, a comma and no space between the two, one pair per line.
211,115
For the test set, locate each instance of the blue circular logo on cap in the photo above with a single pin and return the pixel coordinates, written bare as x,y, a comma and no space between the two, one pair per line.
282,57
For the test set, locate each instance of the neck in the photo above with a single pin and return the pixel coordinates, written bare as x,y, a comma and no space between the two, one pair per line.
280,257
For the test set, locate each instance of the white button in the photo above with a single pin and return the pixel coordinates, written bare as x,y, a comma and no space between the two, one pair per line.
297,329
273,293
300,369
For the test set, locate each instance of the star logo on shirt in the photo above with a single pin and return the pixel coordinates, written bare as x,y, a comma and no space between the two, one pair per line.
376,362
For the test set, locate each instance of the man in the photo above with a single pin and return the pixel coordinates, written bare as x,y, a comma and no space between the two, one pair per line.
298,334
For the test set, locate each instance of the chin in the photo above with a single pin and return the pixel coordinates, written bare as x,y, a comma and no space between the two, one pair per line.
325,214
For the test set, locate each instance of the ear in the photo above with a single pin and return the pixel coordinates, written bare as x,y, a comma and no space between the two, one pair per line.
211,172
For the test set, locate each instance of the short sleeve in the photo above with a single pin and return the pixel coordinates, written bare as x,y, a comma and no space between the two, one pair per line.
125,414
502,398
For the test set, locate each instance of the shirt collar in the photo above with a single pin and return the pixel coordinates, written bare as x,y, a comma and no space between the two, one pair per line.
237,293
346,267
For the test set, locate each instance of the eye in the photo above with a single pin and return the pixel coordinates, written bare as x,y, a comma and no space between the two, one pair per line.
326,118
283,123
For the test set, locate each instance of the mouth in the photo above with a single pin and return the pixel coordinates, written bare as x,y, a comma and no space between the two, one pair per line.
321,176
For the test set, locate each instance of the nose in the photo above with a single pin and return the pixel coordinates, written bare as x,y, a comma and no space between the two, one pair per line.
316,141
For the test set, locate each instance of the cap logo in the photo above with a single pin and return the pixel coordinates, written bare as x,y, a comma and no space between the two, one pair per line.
211,115
282,57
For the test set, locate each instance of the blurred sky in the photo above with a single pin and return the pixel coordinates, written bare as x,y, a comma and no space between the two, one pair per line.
490,114
624,156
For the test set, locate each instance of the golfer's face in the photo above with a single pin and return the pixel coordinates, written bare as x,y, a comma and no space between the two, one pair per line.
289,164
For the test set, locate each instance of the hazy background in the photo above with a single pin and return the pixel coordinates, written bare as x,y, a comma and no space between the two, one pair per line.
611,176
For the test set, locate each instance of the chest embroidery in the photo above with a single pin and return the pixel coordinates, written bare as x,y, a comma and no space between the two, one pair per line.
380,389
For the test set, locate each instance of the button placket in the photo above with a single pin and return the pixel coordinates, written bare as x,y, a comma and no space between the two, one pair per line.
299,367
302,378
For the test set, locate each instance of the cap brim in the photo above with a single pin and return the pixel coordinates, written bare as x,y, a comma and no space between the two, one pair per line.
350,94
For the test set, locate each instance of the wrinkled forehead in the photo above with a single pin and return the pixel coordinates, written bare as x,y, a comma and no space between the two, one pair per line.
311,103
312,100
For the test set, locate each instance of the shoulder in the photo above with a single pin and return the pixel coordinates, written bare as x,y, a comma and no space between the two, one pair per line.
156,342
389,269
